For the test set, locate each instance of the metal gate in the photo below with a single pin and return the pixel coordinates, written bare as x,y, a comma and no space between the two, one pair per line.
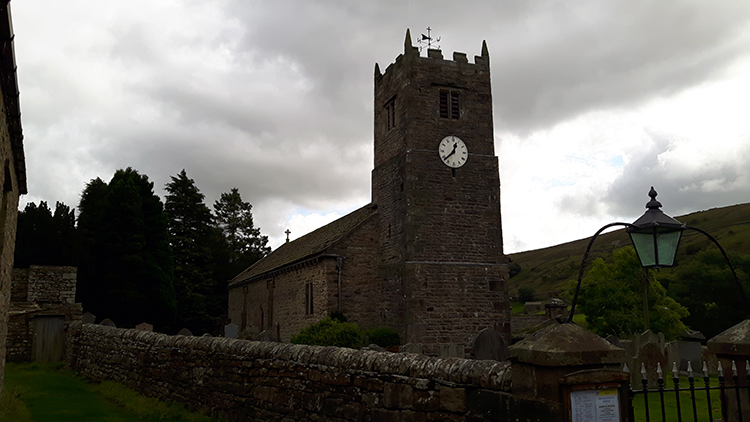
48,339
725,400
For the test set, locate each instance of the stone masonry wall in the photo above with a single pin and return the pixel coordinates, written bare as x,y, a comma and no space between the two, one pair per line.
440,231
52,284
8,221
38,291
260,381
19,289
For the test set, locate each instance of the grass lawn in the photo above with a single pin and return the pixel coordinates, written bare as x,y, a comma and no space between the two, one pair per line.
686,404
51,393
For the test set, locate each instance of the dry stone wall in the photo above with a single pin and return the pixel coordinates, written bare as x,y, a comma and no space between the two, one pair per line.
51,284
259,381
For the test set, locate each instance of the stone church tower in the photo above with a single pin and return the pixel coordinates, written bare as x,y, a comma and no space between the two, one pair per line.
440,227
425,256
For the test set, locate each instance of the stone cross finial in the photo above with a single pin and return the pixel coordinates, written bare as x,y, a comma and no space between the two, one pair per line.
287,235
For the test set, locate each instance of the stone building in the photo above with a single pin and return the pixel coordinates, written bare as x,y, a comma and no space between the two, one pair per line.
425,256
13,175
42,303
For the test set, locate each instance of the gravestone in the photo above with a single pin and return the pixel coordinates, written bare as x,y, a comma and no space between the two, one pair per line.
712,362
614,341
651,355
690,350
108,323
410,348
88,318
649,336
630,350
184,332
452,351
231,330
489,346
673,353
144,326
265,335
249,333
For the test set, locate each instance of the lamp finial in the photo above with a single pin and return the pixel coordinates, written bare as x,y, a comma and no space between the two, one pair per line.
653,203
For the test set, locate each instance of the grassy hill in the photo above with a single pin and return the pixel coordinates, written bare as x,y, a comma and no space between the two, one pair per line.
550,270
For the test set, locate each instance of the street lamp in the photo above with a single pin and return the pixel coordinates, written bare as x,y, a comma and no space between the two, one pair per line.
655,237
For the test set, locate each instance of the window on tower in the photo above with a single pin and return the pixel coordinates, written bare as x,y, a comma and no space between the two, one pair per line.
390,114
450,104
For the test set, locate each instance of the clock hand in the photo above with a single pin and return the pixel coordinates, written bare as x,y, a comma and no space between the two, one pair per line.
452,152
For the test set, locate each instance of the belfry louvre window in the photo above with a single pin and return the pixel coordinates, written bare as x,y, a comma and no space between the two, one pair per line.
390,114
450,104
308,298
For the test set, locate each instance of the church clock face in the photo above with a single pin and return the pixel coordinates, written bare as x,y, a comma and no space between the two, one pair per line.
453,151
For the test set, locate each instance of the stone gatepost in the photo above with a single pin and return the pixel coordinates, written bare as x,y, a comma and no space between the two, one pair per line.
733,346
573,372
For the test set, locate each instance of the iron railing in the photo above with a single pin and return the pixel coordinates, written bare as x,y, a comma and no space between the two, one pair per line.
671,410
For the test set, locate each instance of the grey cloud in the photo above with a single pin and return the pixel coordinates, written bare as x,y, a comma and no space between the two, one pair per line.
618,57
293,79
713,185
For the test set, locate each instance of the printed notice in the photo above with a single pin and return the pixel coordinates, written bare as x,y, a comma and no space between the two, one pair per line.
595,405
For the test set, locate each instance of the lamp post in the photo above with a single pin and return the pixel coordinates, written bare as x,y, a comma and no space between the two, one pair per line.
655,237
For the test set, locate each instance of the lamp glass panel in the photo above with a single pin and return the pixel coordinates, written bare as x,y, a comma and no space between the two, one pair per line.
644,246
667,243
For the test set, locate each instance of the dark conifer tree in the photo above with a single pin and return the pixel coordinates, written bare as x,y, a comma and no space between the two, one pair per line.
196,243
126,270
44,238
245,244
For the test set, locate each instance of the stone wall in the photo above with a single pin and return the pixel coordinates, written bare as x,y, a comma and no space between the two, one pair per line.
260,381
38,292
50,284
21,325
19,289
11,186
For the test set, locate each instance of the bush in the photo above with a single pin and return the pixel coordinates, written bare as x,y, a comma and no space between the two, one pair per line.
513,269
526,294
330,332
337,316
383,336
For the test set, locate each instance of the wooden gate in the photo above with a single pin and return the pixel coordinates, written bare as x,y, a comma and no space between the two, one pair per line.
48,339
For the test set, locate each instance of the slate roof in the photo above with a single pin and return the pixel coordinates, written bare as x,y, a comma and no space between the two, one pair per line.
309,245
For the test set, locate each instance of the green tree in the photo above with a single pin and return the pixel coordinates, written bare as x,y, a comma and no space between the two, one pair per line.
197,244
612,298
526,294
705,285
245,244
126,270
46,238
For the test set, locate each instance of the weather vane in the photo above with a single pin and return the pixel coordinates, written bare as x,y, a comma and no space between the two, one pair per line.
427,39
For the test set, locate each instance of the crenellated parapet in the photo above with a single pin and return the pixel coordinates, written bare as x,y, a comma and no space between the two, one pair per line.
435,56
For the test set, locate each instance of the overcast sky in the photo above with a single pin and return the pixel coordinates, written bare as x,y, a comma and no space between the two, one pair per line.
594,102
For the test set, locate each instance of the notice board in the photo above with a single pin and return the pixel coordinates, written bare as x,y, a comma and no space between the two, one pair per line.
602,405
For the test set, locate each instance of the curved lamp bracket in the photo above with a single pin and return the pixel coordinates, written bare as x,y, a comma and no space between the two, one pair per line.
631,226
